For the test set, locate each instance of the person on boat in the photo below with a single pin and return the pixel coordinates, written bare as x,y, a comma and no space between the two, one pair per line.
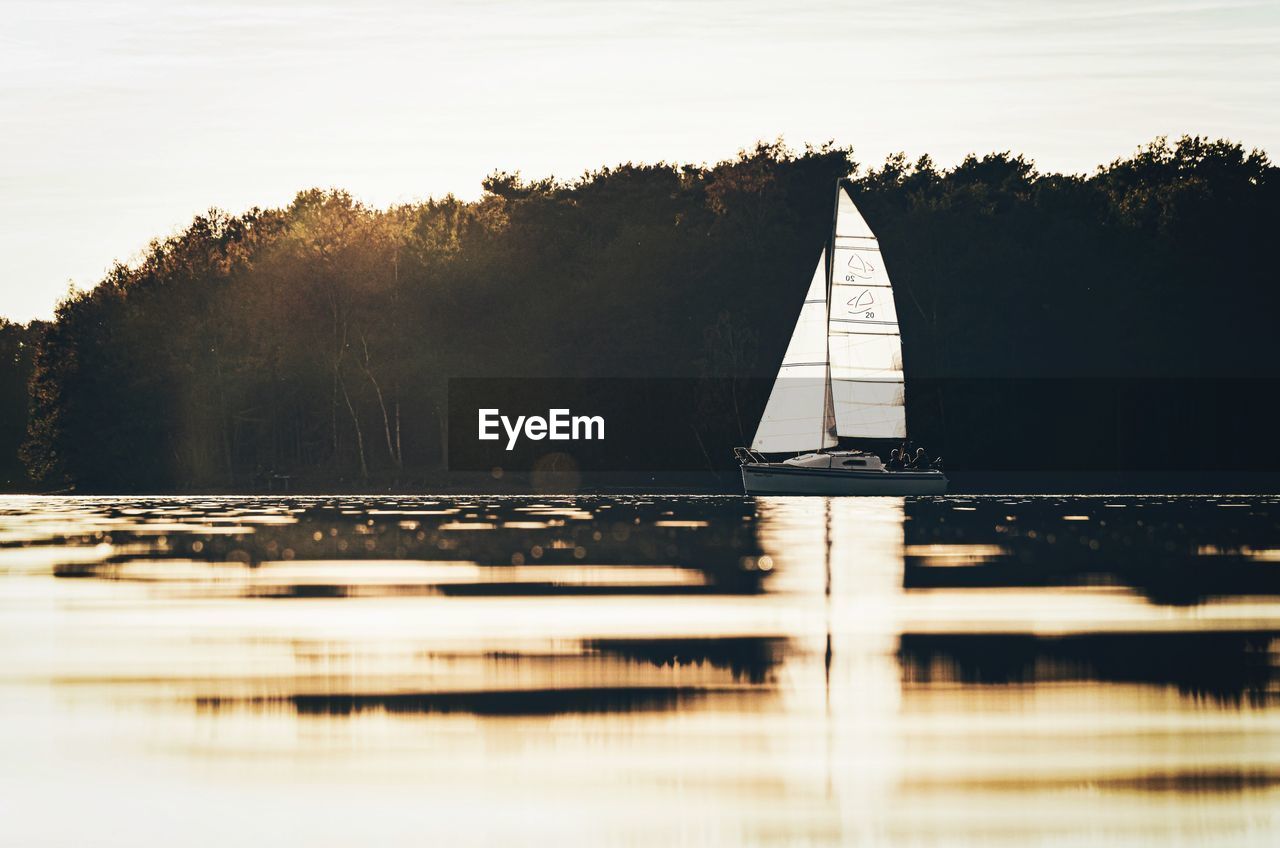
895,461
919,462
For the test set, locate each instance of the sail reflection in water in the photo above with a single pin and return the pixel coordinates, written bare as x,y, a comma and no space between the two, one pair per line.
330,671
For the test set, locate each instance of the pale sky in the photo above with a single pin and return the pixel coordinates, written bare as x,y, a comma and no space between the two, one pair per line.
121,119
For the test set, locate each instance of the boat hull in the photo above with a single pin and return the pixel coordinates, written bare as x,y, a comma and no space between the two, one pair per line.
782,479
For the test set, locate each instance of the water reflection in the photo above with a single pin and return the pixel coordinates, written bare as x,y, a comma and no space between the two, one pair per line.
337,670
1226,666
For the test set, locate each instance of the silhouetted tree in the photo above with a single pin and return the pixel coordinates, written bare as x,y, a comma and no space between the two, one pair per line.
316,340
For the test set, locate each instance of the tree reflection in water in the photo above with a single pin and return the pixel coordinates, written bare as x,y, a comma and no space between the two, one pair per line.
963,669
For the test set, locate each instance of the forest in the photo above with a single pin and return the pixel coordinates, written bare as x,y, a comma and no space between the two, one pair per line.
1120,320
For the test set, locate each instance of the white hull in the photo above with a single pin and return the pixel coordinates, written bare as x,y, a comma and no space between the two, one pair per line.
785,479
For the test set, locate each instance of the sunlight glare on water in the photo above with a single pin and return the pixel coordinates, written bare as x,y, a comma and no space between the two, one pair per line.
659,669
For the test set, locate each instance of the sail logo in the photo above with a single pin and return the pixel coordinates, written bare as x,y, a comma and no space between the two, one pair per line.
558,426
859,269
862,304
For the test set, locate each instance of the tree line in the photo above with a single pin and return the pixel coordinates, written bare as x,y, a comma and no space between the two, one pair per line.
316,340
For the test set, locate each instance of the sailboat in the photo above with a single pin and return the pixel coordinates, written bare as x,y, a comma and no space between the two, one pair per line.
841,377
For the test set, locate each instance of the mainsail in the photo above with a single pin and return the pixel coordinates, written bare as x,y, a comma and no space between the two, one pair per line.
842,373
865,345
799,415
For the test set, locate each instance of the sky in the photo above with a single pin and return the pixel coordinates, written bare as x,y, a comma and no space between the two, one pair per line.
121,120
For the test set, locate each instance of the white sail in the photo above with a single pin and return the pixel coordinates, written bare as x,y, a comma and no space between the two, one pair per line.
799,415
865,346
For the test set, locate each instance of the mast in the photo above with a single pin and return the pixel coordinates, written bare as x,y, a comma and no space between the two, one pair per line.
829,253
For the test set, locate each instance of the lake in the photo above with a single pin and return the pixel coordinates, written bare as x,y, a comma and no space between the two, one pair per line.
639,670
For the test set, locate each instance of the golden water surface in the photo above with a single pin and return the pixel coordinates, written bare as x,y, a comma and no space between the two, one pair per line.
639,670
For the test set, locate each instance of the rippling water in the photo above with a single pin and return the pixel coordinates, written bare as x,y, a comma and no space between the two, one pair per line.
657,670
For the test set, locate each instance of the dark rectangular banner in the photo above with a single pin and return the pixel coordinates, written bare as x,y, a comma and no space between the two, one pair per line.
996,425
591,424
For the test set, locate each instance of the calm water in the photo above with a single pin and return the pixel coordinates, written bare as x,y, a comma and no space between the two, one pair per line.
660,670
